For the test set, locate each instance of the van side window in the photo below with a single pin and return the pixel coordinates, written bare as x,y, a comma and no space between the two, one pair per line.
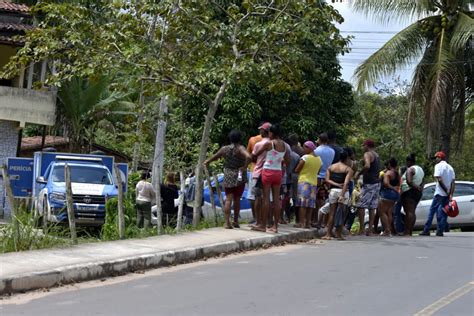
46,173
463,189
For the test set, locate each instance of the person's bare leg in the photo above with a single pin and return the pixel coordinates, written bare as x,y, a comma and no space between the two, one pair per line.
258,210
409,207
309,217
276,208
265,206
384,208
389,212
302,217
330,225
361,213
228,202
236,210
371,221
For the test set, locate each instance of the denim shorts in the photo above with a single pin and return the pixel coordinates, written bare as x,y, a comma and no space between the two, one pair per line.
389,194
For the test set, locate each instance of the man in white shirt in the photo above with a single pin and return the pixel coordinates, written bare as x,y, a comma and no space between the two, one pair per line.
445,177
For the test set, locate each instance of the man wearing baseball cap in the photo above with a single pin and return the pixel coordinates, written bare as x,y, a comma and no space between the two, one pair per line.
445,184
262,129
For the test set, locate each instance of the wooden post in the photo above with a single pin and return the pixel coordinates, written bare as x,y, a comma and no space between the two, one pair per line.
179,224
211,194
219,192
121,214
70,205
11,201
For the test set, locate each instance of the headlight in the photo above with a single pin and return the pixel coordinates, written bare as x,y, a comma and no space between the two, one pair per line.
57,196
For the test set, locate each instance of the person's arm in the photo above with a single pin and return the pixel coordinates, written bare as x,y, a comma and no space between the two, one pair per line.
258,152
299,166
248,158
451,191
410,173
443,186
216,156
367,161
386,180
329,181
348,179
287,159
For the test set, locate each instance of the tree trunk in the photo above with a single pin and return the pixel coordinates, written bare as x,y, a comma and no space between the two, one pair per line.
206,133
136,145
179,223
219,193
158,160
446,130
211,112
70,205
121,215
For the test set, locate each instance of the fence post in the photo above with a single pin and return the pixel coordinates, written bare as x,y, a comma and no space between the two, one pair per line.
211,194
121,215
179,223
11,201
70,204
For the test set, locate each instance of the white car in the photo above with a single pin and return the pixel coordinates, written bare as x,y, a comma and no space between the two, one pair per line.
464,196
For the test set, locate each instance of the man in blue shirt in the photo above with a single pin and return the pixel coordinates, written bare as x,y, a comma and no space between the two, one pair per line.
326,153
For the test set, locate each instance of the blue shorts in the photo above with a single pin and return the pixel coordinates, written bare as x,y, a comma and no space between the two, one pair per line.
389,194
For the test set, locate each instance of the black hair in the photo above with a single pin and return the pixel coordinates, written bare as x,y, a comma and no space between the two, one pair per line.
292,139
344,154
145,174
275,129
235,136
331,136
411,158
323,137
350,151
392,162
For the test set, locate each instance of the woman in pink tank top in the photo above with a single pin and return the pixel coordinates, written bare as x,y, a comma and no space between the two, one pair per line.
277,154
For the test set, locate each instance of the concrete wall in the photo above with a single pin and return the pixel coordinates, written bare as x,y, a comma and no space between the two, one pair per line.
8,145
27,106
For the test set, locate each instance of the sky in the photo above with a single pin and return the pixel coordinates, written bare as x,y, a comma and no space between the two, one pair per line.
369,35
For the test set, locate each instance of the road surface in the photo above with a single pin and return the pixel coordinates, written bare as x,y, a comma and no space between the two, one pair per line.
359,276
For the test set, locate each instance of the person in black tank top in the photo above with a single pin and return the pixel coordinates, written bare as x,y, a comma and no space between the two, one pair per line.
338,177
369,195
389,196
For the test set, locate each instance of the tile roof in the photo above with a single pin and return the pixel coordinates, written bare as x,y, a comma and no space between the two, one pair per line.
29,143
11,41
13,7
15,27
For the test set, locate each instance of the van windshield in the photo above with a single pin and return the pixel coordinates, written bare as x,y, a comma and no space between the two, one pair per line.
83,174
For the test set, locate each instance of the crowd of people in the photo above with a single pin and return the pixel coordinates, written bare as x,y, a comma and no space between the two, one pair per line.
322,185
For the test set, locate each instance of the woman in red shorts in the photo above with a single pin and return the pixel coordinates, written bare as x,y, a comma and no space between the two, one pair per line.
236,160
272,174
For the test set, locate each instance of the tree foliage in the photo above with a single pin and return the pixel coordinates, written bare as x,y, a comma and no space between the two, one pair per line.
442,84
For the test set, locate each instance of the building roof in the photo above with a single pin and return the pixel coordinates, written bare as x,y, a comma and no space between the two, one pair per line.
15,27
14,7
34,142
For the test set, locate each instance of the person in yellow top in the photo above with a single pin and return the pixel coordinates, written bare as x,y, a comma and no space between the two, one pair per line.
308,169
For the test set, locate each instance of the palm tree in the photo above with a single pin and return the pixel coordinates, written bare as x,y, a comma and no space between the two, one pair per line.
442,83
83,104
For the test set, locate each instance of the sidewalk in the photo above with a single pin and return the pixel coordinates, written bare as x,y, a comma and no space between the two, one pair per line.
30,270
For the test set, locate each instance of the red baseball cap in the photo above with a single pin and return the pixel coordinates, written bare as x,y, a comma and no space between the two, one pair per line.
266,126
440,154
369,143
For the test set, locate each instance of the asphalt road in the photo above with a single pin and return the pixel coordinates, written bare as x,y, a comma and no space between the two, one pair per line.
359,276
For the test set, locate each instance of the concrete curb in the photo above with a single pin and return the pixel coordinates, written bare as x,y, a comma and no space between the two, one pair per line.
96,270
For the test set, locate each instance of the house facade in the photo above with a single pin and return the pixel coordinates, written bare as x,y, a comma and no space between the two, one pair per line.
19,102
